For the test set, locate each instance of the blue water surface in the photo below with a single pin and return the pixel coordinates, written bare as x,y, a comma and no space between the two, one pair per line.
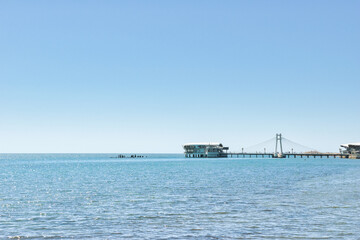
93,196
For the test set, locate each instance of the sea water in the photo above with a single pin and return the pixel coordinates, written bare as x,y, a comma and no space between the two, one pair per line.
94,196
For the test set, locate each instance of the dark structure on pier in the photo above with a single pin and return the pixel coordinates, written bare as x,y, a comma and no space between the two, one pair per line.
351,149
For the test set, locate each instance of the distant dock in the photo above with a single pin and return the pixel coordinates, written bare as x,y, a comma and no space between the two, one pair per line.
217,150
287,155
278,153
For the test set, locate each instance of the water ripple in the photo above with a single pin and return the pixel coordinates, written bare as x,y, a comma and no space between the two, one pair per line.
91,196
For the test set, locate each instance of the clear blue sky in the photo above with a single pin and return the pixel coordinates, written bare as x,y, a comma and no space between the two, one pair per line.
148,76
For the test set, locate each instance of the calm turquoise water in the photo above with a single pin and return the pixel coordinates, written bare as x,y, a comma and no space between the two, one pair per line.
93,196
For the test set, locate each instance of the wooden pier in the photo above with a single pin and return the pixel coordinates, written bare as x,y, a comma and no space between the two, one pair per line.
279,153
287,155
293,150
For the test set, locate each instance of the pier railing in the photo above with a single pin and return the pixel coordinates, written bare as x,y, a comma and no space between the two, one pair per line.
287,155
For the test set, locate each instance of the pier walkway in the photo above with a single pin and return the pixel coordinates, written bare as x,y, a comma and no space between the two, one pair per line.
292,150
286,155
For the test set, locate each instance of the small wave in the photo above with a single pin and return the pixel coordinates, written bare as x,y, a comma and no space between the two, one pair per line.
222,213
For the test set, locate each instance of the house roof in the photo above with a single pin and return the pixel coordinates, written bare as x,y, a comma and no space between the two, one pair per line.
203,144
350,144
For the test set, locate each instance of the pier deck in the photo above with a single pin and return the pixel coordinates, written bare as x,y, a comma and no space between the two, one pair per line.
288,155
